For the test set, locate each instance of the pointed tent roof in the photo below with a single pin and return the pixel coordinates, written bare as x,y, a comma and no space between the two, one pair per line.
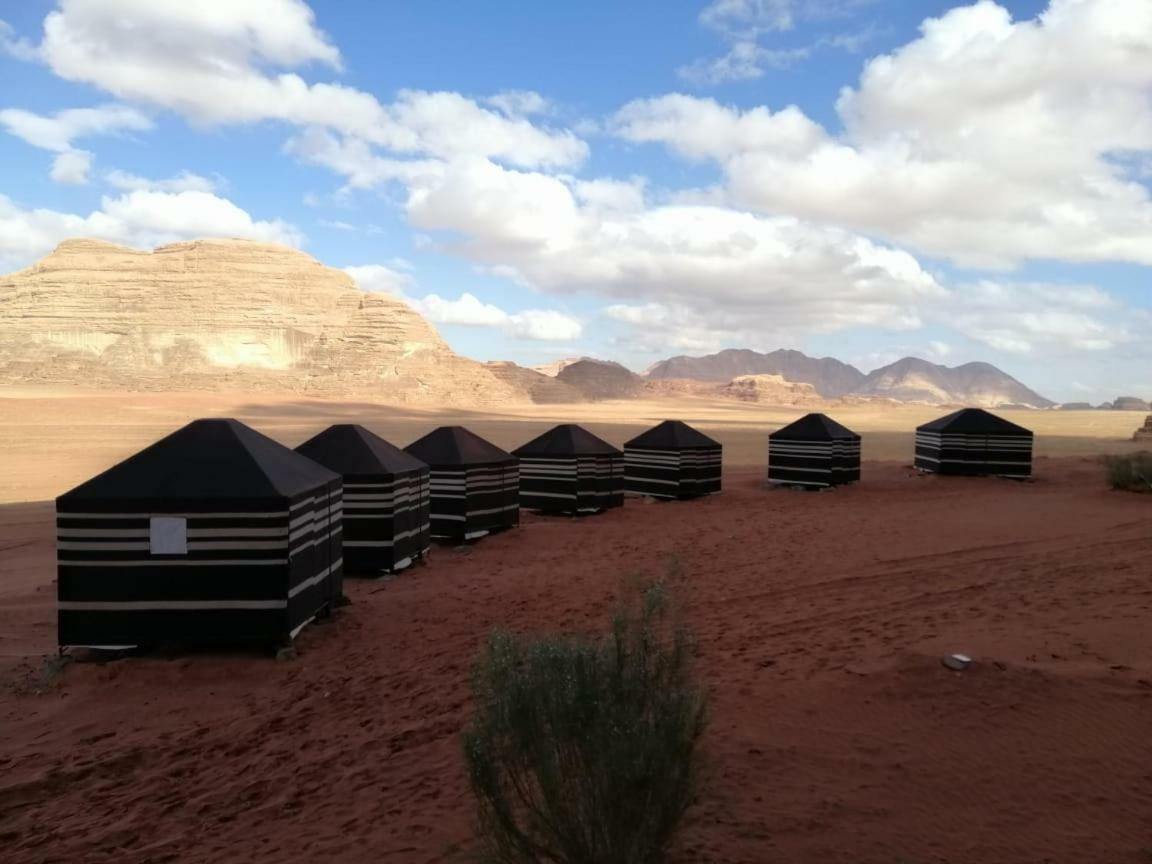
672,435
351,450
567,439
974,421
206,460
455,445
814,427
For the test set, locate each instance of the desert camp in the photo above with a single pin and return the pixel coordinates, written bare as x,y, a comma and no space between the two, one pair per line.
713,432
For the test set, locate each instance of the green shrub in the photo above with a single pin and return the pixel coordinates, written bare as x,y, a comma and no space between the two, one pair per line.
1131,472
584,750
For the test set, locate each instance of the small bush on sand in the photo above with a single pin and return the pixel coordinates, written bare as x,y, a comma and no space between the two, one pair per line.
1131,472
584,750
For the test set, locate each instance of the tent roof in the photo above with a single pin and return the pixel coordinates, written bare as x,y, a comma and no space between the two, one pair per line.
455,445
567,439
351,450
814,427
207,459
672,435
974,421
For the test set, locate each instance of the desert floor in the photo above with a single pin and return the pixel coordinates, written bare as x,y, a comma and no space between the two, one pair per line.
836,735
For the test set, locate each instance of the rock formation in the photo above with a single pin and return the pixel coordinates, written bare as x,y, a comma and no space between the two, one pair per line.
974,384
600,379
1130,403
1144,433
538,387
830,377
223,314
770,390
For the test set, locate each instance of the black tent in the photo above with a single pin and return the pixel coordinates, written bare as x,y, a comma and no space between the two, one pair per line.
672,460
475,484
815,451
974,442
214,534
386,498
570,470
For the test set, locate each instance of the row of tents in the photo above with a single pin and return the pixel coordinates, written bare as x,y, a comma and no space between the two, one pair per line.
219,534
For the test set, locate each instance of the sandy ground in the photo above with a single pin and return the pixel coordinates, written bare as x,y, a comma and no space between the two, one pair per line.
836,735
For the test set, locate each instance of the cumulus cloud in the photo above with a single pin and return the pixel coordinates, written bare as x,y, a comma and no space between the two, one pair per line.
1023,318
142,219
71,167
985,140
467,310
219,62
185,181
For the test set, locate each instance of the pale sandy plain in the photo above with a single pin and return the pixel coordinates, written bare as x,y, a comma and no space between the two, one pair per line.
836,735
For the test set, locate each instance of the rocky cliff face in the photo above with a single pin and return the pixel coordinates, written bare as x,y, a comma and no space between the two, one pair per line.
216,314
601,379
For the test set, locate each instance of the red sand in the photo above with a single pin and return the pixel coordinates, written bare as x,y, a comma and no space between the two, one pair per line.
836,735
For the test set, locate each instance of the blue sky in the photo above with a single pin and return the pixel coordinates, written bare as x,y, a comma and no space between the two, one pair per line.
861,178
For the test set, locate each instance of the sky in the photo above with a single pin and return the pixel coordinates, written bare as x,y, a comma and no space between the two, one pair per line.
864,179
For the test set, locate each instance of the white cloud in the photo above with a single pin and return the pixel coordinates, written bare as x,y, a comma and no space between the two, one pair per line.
744,24
337,225
12,46
467,310
520,102
378,277
217,61
1023,318
185,181
985,140
141,219
71,167
58,132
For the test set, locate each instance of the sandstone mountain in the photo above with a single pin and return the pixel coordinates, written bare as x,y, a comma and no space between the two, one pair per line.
907,380
224,314
601,379
770,389
980,384
1130,403
830,377
556,366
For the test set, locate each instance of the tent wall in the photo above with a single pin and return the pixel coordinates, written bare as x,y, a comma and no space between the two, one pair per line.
813,463
385,521
672,473
252,572
974,454
568,484
468,501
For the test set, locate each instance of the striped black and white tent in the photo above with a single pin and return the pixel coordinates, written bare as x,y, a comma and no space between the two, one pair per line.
814,452
214,534
974,442
387,496
475,484
672,460
570,470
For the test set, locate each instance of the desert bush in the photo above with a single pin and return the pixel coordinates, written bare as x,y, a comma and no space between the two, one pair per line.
1131,472
584,750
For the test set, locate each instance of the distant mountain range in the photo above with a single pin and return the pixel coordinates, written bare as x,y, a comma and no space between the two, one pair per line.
907,380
